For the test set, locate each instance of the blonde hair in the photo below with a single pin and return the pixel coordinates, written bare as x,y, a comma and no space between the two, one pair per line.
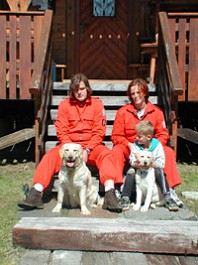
144,127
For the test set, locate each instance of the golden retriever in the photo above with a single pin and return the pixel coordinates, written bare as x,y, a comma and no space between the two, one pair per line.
147,192
75,183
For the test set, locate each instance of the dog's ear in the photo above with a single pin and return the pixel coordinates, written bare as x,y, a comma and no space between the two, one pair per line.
137,155
81,152
61,151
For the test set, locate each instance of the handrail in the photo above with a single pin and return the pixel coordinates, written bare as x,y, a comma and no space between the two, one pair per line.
176,83
41,54
42,83
168,77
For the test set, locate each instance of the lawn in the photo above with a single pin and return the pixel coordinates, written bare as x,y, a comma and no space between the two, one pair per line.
12,177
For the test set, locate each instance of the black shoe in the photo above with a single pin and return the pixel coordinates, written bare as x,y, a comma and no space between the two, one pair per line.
32,201
111,202
125,202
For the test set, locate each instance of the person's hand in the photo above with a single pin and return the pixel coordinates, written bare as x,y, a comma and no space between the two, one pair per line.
85,156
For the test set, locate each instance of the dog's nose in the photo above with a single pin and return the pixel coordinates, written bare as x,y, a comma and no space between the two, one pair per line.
70,157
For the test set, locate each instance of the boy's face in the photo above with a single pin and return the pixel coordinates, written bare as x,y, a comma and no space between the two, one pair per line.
143,139
80,93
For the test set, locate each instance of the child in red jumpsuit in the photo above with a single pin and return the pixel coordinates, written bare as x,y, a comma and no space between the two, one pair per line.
81,119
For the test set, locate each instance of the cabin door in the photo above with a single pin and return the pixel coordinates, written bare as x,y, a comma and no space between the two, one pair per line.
103,40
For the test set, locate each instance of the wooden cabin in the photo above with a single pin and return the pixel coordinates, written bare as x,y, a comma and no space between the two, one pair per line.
43,43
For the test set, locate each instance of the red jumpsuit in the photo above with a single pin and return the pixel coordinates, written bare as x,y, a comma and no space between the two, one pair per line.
124,132
83,123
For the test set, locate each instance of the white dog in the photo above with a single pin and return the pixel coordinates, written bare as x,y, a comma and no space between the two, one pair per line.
147,192
75,188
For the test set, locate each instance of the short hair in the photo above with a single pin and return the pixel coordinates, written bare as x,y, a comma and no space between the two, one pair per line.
145,127
141,83
75,82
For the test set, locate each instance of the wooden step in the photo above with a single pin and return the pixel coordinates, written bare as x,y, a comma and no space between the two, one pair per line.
102,234
102,85
108,101
51,144
110,114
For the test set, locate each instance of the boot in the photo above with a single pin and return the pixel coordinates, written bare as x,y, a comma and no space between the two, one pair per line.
111,202
32,201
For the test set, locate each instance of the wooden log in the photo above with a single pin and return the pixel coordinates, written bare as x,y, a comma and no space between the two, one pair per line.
103,234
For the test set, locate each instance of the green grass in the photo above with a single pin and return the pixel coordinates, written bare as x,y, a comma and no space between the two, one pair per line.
12,177
11,180
189,175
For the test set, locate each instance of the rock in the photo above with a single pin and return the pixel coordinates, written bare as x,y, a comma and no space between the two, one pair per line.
190,195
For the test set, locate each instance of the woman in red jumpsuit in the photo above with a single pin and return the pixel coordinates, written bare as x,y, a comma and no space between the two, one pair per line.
81,119
123,134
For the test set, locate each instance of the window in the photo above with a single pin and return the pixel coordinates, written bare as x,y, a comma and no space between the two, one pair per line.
104,8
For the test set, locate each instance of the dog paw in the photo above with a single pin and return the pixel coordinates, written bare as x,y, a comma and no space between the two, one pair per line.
136,207
57,209
85,211
144,209
153,206
100,201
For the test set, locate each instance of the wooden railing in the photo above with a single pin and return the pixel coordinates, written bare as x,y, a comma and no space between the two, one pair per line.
26,63
168,77
42,84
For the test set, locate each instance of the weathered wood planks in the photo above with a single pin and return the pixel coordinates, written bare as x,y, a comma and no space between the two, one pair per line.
102,234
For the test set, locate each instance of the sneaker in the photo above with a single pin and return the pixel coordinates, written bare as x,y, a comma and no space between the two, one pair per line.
33,200
176,198
170,204
125,202
111,202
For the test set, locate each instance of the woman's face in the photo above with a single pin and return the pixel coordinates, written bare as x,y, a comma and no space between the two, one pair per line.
137,97
80,93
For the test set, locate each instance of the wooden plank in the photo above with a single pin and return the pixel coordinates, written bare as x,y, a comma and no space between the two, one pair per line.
38,24
25,57
98,234
162,260
193,61
103,85
3,57
188,260
182,54
16,137
109,101
177,88
13,58
50,144
188,134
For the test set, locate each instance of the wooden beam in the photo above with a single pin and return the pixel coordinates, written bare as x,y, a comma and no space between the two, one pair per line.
188,134
103,234
16,137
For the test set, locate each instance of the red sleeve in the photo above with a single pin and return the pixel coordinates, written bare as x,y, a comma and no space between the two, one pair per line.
118,132
62,123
